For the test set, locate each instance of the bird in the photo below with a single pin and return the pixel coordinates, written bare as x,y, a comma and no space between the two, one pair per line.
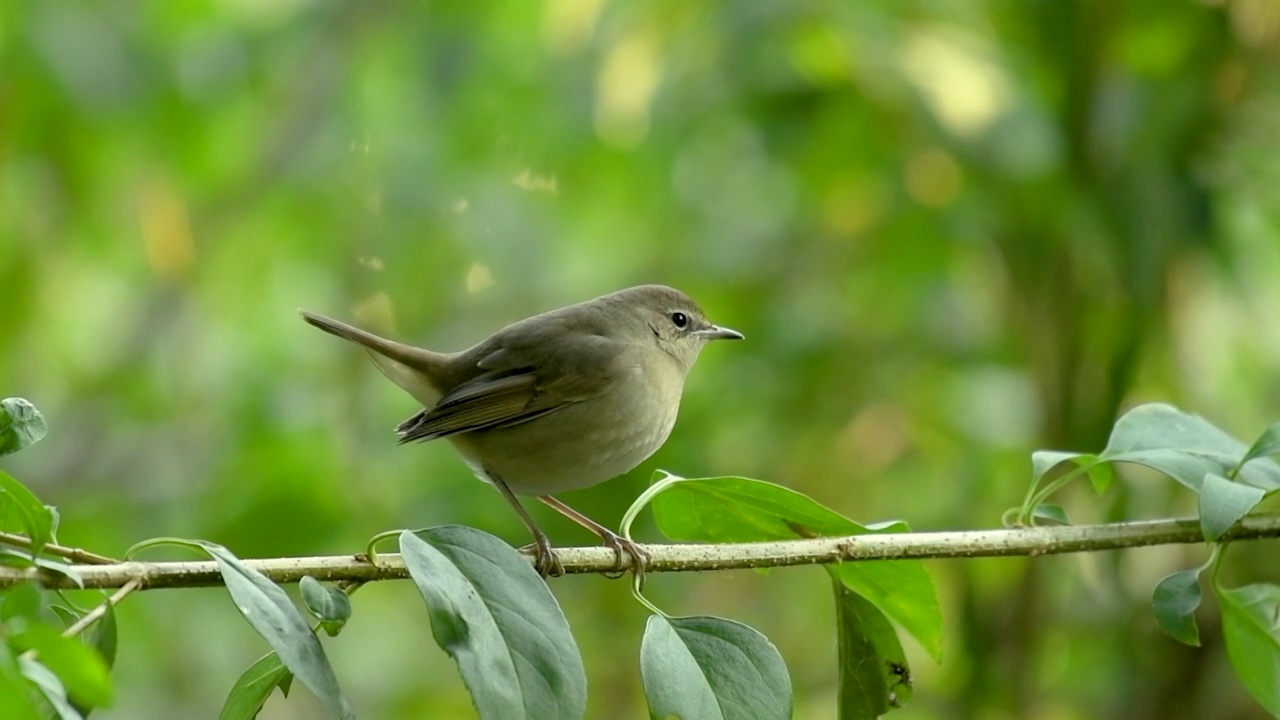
559,401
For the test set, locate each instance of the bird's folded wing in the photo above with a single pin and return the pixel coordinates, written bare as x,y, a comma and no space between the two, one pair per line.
514,387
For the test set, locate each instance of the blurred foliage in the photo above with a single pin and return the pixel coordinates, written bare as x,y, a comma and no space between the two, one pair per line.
952,233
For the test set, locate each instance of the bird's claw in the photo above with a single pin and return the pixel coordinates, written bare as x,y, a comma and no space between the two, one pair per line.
639,558
544,558
548,565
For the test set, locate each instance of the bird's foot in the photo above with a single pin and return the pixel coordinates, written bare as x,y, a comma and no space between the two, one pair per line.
619,544
544,558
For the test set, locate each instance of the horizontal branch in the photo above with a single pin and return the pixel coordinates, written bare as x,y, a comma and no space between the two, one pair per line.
692,556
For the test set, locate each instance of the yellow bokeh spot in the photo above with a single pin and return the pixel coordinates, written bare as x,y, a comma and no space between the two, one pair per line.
933,178
965,90
625,87
479,277
376,311
166,231
567,26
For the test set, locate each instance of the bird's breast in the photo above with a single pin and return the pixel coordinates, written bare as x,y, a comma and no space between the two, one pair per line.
584,443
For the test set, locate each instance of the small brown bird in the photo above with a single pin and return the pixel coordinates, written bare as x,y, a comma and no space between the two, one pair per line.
559,401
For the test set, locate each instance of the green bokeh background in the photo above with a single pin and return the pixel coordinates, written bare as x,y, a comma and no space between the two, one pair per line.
952,233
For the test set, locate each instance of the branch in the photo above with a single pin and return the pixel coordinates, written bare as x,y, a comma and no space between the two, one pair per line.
70,553
691,557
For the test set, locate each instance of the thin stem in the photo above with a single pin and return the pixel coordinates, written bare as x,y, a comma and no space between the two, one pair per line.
1219,556
1213,557
371,548
149,543
1035,498
83,557
648,495
93,615
637,586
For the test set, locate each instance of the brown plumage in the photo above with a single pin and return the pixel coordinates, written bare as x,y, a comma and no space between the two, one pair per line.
562,400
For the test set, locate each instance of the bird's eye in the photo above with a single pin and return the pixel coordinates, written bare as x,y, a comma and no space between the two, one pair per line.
680,319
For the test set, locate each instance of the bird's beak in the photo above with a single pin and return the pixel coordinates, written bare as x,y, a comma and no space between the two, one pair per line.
718,333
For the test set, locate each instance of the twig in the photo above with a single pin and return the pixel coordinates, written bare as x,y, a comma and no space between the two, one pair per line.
93,615
693,557
73,554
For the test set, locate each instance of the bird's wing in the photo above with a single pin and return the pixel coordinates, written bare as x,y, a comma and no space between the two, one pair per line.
519,380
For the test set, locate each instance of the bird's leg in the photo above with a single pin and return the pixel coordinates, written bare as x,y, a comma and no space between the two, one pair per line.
544,559
639,558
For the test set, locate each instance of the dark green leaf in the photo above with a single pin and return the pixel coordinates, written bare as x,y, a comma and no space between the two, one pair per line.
1099,472
1174,602
498,620
269,611
33,519
104,635
874,676
254,686
21,425
79,668
1223,503
328,604
1184,447
50,686
65,614
1251,626
742,510
1053,513
709,668
102,638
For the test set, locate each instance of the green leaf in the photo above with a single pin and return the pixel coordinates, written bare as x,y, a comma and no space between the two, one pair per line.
709,668
498,620
1174,602
735,509
1251,626
65,614
269,611
50,686
104,636
77,666
1223,503
1099,471
18,558
61,567
328,604
1267,444
23,600
32,518
1184,447
21,425
254,686
1053,513
15,557
874,676
16,691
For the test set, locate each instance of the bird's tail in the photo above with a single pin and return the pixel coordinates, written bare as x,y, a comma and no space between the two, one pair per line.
414,369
